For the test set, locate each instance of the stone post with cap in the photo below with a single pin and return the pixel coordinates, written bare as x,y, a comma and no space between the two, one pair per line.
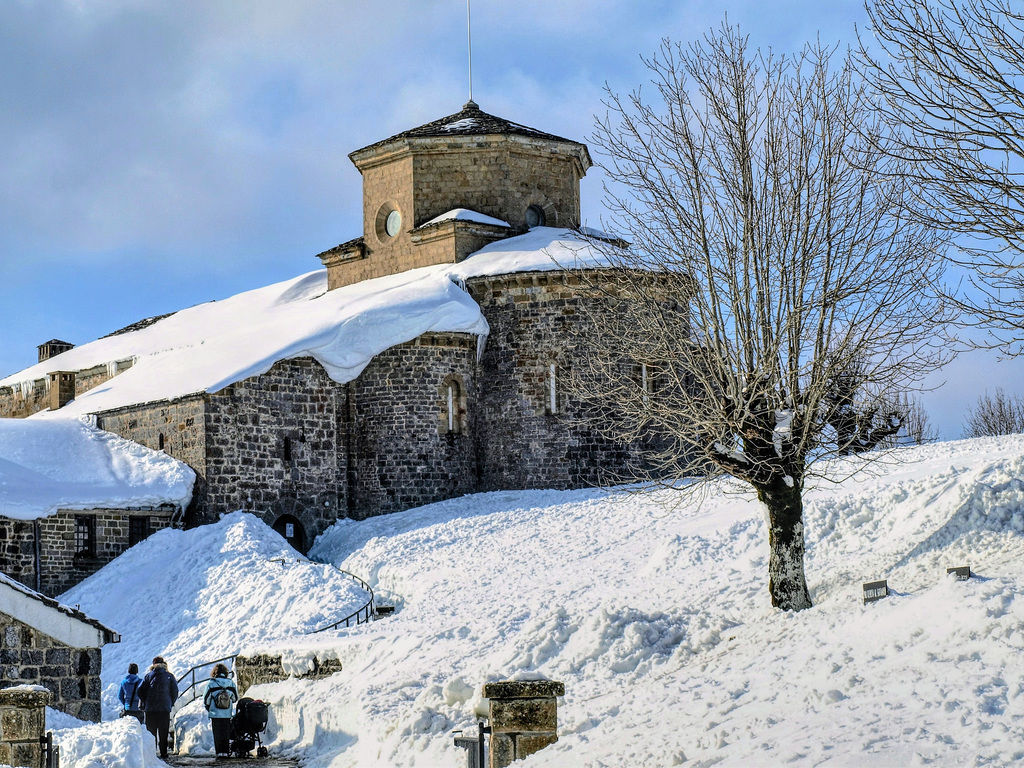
22,724
524,718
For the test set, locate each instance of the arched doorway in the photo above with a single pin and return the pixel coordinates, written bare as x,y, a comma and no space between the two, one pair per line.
292,530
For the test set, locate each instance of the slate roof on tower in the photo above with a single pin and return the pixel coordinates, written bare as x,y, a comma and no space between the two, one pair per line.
470,121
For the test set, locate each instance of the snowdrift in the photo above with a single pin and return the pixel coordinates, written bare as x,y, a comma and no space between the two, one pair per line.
193,596
652,607
67,463
207,347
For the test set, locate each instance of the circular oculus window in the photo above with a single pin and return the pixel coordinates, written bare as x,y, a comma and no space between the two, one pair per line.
393,223
535,216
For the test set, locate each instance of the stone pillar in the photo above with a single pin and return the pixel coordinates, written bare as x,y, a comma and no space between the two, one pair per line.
22,723
524,718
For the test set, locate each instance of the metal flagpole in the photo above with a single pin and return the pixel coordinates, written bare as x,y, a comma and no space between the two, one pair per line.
469,35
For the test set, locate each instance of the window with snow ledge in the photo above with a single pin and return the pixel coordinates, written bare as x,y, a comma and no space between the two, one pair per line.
647,379
452,414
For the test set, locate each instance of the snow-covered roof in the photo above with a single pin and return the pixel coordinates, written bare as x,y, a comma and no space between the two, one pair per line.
464,214
210,346
472,121
68,625
66,463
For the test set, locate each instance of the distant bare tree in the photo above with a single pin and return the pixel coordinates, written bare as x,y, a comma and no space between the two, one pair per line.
917,428
1000,414
952,72
772,250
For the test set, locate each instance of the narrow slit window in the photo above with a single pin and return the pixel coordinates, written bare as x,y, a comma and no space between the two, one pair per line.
287,448
552,389
451,407
160,441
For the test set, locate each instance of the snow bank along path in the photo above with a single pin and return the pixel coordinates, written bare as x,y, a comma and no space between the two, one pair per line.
192,596
652,608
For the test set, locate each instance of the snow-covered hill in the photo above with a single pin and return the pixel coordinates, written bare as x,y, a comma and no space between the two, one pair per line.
652,607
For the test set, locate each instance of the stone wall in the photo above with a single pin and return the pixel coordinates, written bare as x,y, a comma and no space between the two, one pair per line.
522,443
17,403
499,178
178,427
403,457
22,724
261,669
14,405
72,675
18,550
272,446
62,567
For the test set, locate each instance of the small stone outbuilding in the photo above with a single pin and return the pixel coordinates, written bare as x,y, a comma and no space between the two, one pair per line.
47,644
73,497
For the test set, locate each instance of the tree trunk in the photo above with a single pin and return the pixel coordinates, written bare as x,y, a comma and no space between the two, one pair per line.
786,581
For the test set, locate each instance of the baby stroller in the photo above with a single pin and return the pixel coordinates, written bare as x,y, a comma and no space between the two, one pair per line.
248,722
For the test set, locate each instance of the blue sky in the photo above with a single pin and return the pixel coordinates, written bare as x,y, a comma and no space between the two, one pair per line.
156,155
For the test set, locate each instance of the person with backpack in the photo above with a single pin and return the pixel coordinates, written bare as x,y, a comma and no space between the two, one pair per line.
128,694
219,701
158,692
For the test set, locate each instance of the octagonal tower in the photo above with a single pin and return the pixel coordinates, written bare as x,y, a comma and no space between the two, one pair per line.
437,193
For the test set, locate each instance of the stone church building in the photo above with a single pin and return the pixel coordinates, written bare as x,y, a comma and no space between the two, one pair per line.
471,207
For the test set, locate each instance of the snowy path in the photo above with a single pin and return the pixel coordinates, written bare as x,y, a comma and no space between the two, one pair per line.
188,761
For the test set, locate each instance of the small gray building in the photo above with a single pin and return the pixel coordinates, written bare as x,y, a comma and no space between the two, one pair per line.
45,643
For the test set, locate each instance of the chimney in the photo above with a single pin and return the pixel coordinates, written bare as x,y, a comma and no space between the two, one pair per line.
52,348
62,389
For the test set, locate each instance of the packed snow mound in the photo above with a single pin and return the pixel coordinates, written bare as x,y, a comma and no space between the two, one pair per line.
123,743
199,595
651,606
65,463
207,347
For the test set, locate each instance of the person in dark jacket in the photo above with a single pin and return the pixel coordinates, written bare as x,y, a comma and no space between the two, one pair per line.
158,692
128,694
221,690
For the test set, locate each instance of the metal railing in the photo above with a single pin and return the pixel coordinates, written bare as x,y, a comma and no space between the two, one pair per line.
194,681
360,616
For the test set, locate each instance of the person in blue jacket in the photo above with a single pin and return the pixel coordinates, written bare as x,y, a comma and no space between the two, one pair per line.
158,692
219,700
128,694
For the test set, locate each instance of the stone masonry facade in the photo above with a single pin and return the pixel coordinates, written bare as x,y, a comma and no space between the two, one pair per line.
438,416
72,675
61,563
292,442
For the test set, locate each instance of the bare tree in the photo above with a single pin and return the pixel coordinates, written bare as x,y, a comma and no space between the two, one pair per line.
952,72
1000,414
860,425
771,252
917,428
